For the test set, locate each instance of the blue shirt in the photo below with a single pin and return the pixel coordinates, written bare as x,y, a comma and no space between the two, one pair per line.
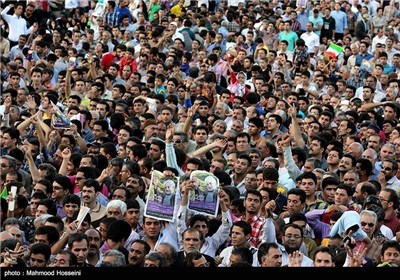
303,19
341,21
316,22
360,57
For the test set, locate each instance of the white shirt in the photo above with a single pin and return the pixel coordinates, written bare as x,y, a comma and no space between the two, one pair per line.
226,254
377,40
211,243
16,24
312,41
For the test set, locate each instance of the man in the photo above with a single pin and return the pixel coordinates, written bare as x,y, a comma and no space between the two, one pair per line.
192,239
292,238
90,191
240,234
311,38
9,140
137,252
390,202
17,24
65,258
323,257
94,239
317,150
79,245
210,244
39,255
241,166
117,234
387,176
273,128
252,204
308,184
269,255
390,252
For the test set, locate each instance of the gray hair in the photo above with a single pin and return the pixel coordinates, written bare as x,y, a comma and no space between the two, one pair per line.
41,220
11,161
360,148
156,256
370,214
119,258
116,203
220,122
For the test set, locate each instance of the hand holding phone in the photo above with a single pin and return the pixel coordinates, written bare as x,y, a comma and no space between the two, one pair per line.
349,242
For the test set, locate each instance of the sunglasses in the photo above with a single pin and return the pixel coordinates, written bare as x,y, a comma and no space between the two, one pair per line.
387,168
363,224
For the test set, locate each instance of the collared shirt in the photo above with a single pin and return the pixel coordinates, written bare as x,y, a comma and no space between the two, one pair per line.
257,228
240,186
270,236
16,24
211,243
317,204
392,222
394,184
112,18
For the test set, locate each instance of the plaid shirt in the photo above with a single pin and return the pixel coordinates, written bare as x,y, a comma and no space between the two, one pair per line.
257,224
354,83
318,204
233,27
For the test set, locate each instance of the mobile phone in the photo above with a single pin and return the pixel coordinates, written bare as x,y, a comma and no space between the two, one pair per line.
294,104
351,245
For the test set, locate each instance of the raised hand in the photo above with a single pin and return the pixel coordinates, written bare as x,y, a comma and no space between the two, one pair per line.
7,104
170,132
295,259
192,110
30,102
292,111
66,153
286,140
221,143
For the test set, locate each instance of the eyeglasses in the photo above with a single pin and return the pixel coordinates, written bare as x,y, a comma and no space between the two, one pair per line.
79,178
207,264
382,199
177,141
363,224
250,179
3,165
290,236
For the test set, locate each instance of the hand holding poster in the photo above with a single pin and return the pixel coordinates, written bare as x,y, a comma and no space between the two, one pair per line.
83,211
204,197
161,199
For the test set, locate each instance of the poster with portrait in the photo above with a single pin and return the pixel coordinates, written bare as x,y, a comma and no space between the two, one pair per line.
204,197
161,199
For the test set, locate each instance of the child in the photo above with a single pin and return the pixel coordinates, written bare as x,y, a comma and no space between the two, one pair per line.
237,86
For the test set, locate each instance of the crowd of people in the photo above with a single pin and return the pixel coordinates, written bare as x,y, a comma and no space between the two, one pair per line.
292,104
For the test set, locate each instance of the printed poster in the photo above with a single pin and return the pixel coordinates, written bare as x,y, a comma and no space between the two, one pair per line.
161,199
204,197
